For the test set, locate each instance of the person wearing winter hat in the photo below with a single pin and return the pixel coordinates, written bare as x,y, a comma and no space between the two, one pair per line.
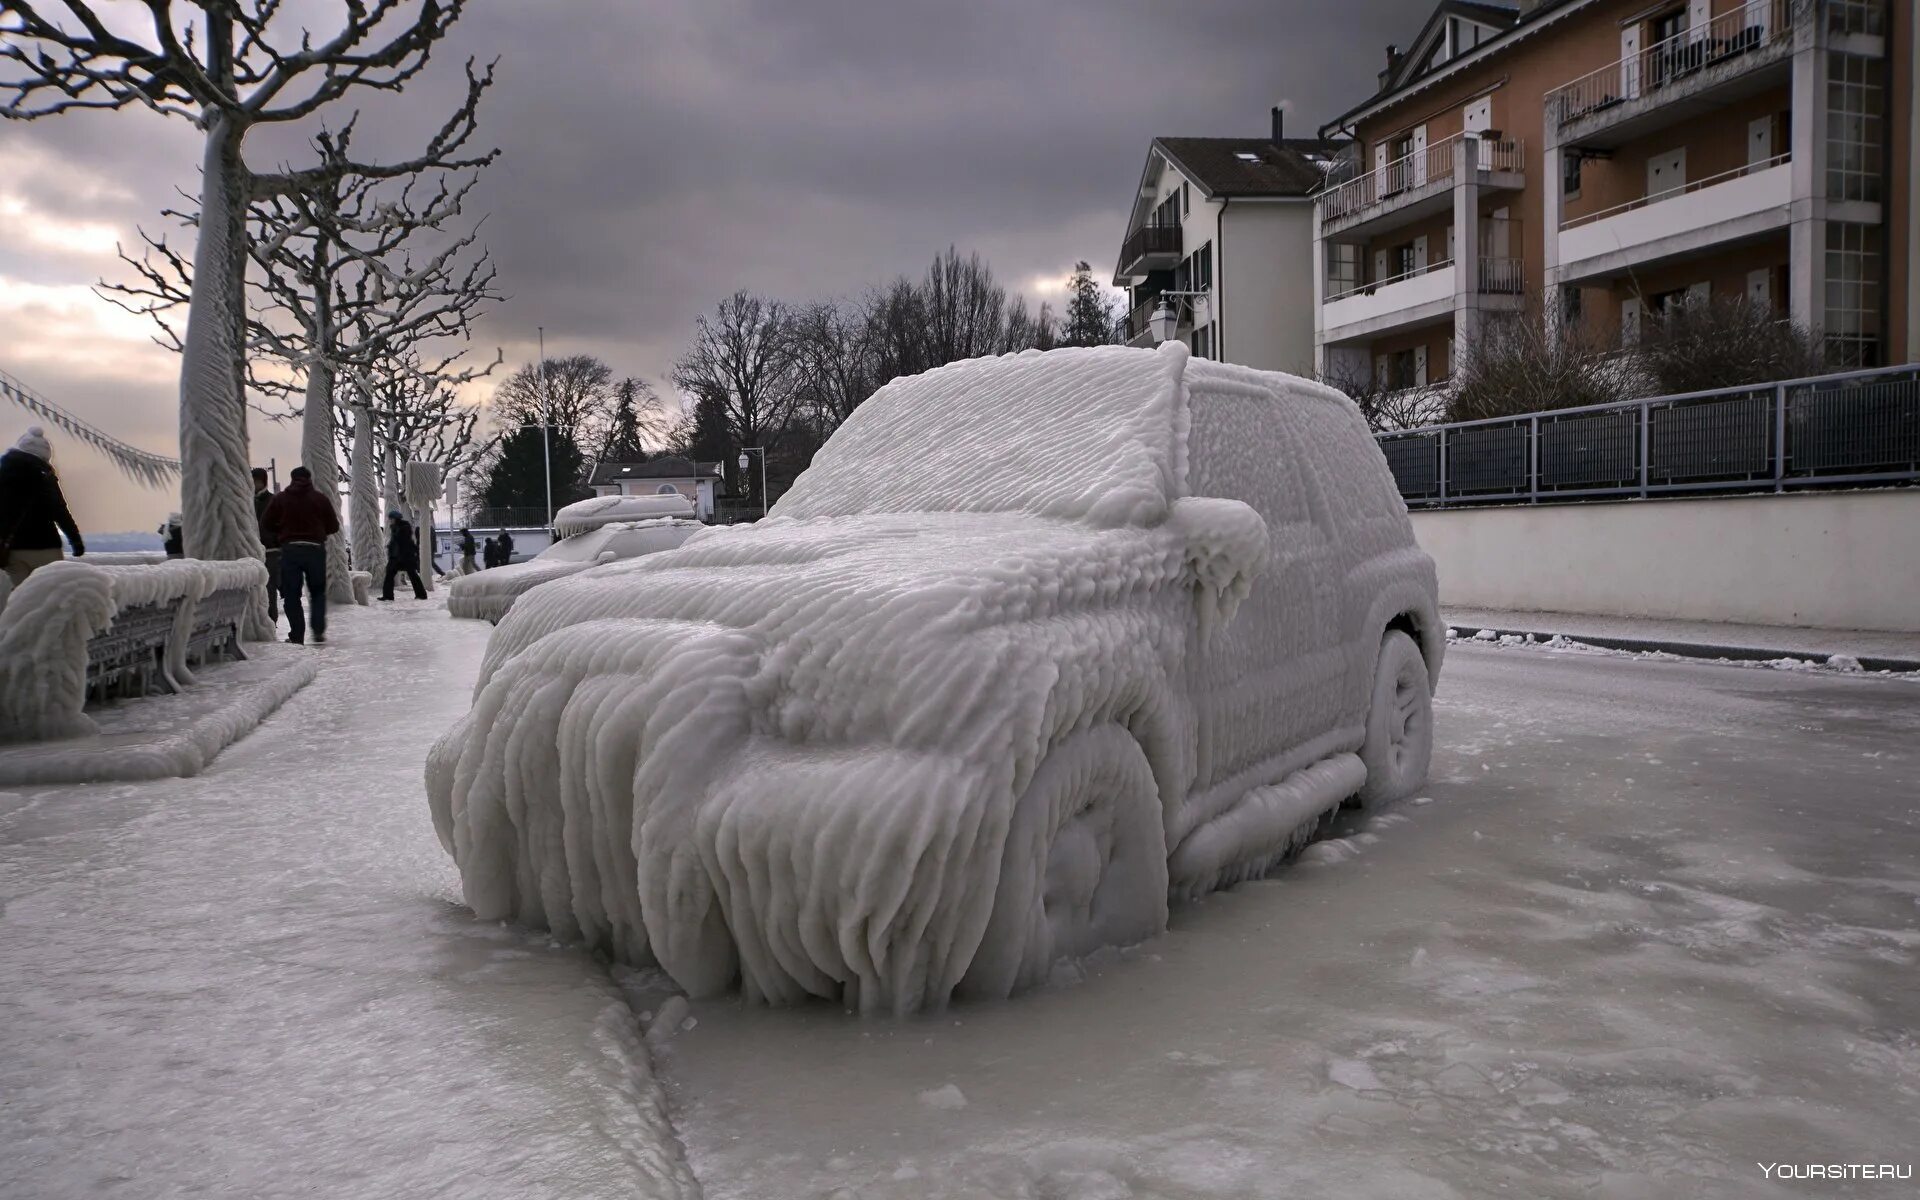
33,511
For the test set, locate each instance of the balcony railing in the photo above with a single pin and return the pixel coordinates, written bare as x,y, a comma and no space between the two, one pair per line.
1722,40
1502,276
1149,240
1138,317
1692,185
1853,428
1348,287
1435,164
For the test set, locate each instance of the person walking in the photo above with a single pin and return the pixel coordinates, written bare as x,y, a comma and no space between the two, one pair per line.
300,520
506,548
403,554
261,498
466,552
33,511
490,554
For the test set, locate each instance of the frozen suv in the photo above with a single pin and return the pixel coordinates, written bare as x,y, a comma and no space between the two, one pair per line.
1035,643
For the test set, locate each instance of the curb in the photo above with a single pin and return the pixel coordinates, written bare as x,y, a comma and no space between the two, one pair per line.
1701,650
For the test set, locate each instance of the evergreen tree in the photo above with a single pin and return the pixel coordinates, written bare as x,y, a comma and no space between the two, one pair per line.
1090,318
516,478
626,430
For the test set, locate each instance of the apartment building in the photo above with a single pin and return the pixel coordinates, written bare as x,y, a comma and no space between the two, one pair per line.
1595,160
1217,244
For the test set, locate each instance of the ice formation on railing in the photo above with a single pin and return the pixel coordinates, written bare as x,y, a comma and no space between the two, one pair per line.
941,718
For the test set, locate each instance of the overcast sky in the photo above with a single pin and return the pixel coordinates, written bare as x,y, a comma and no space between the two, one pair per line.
659,154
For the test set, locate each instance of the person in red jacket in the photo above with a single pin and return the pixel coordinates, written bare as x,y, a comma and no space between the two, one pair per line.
301,520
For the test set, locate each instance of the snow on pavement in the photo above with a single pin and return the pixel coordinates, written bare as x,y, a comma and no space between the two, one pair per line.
260,982
1654,924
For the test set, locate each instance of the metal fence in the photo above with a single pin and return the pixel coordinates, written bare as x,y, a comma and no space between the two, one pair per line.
1860,427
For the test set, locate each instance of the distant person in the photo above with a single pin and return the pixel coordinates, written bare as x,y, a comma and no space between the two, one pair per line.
261,498
490,555
467,548
176,542
300,520
33,512
403,554
506,548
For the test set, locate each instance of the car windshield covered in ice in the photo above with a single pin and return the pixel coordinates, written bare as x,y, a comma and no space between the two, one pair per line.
1036,643
1103,448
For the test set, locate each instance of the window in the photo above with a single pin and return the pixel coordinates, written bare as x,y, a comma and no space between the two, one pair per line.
666,489
1571,306
1203,346
1400,260
1856,88
1400,369
1185,195
1246,156
1570,174
1201,272
1852,311
1167,214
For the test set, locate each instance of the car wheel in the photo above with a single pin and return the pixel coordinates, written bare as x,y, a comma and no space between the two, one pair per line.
1085,864
1399,722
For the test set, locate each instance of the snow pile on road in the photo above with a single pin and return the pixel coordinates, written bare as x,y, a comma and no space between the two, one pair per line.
583,516
487,595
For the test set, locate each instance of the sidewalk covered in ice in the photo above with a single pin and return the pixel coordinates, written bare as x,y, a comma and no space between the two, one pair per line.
260,981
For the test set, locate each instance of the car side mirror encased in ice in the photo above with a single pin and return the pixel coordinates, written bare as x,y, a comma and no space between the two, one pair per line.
1227,548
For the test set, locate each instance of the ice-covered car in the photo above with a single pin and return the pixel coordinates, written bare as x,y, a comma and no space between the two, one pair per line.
592,532
1035,643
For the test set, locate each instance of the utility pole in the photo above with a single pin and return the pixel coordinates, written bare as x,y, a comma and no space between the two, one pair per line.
546,425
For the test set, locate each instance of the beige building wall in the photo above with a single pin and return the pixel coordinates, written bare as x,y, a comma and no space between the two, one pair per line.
1264,279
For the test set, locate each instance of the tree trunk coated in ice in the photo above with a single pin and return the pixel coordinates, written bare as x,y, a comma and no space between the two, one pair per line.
366,495
318,455
216,490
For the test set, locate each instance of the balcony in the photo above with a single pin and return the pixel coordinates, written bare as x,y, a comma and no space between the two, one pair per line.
1137,332
1737,53
1418,297
1151,248
1416,186
1730,207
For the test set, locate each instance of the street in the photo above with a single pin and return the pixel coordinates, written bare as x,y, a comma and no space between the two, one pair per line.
1657,925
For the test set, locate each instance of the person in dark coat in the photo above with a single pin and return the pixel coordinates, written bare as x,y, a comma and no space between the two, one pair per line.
490,554
175,540
506,548
467,547
403,555
300,520
33,512
261,498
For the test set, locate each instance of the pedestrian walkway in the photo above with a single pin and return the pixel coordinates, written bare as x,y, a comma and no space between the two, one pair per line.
1876,650
261,981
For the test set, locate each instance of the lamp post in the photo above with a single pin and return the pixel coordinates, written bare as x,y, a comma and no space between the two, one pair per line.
546,424
744,460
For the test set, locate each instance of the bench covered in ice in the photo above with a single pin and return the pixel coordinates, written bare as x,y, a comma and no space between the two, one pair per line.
75,629
1035,643
587,540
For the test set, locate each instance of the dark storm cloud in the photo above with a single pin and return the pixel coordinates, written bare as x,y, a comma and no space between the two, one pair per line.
659,155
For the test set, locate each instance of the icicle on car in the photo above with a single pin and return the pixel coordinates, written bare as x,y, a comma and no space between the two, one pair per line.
1036,642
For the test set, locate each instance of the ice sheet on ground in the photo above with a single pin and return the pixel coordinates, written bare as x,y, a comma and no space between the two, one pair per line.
260,982
1681,944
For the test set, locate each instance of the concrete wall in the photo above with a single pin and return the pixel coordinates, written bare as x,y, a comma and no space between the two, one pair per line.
1263,277
1846,560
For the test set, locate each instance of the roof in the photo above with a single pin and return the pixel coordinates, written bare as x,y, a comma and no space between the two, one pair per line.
1405,79
1219,165
671,466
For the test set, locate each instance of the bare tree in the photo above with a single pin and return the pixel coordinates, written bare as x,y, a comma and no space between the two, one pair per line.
1389,408
743,364
227,66
1724,342
1524,364
835,353
574,393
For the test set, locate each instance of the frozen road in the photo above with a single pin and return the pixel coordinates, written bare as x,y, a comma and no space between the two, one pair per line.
1658,924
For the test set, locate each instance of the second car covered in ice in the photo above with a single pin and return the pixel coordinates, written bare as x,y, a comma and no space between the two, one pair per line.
1034,643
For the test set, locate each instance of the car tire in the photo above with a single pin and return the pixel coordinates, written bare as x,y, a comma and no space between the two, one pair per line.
1399,741
1084,865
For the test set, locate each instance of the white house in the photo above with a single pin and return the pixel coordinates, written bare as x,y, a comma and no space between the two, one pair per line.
1221,234
659,476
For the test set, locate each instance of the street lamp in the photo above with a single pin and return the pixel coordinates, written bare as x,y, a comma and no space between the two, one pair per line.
1164,324
546,424
744,460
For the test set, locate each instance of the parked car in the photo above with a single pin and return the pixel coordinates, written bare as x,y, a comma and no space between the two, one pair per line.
1035,643
592,532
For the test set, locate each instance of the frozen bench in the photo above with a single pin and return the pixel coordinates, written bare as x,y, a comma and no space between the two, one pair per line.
75,630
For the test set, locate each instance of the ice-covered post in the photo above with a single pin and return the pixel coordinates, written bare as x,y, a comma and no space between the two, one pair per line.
423,488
